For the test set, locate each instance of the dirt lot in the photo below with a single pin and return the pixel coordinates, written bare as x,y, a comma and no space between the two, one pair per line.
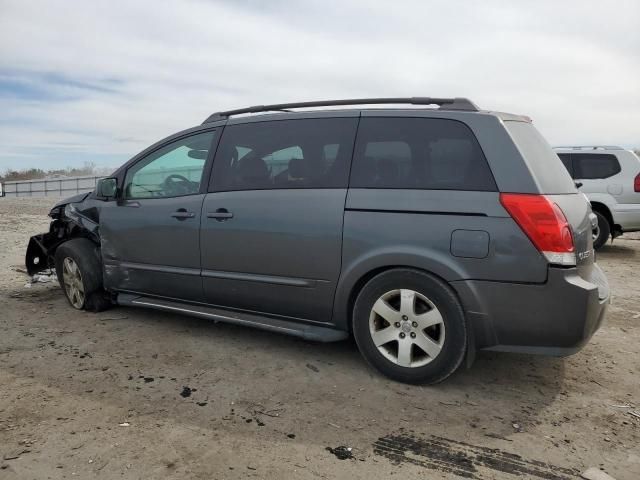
99,395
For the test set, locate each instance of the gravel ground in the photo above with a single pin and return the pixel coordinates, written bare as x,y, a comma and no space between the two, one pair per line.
99,395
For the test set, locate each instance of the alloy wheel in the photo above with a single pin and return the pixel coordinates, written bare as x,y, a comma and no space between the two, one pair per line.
407,328
72,279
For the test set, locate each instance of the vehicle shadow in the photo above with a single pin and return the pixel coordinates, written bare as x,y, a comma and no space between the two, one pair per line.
231,364
508,383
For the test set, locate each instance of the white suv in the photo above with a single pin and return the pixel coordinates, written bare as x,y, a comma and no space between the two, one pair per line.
610,178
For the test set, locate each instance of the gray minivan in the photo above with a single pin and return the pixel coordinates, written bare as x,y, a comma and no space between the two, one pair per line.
426,233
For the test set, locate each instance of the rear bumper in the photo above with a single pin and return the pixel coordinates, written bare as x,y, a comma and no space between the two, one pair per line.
556,318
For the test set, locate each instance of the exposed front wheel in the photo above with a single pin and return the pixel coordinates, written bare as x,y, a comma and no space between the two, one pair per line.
410,326
72,283
79,272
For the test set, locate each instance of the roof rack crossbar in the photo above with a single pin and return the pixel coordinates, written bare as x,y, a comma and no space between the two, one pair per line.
457,103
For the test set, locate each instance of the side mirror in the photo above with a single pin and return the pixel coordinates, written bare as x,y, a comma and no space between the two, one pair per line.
107,188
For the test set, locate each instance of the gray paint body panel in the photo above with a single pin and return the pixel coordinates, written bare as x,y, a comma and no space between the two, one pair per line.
557,317
145,249
428,201
470,243
393,232
290,234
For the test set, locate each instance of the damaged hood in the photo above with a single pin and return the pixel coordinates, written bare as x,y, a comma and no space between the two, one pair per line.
74,199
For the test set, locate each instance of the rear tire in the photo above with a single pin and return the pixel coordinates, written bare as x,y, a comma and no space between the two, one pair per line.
603,231
410,326
79,270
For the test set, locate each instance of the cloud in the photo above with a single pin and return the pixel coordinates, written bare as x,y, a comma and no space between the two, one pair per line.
102,80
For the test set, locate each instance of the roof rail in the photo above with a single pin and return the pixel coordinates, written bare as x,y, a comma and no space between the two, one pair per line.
444,103
589,147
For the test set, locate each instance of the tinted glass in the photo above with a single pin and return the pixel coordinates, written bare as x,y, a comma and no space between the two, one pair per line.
566,161
541,160
419,153
172,171
306,153
595,165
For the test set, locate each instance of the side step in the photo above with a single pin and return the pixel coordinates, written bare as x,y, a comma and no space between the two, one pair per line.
297,329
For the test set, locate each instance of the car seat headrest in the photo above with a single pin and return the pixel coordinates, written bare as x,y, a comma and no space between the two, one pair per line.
297,168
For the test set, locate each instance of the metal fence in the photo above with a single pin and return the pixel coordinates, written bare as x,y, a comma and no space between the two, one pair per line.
65,187
52,187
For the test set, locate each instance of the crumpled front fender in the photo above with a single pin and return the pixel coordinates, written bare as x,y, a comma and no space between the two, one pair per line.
82,221
68,222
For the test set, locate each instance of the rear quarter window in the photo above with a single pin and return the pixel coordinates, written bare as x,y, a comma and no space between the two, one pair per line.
591,166
549,173
419,153
566,161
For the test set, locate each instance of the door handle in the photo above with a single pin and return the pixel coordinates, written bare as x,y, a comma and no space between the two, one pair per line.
220,214
182,214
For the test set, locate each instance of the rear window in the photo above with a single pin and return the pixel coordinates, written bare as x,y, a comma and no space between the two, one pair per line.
419,153
594,165
543,163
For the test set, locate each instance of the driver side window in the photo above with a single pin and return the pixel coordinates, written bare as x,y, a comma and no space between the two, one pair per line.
174,170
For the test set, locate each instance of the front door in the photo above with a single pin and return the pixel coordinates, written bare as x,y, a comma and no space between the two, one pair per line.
271,234
150,236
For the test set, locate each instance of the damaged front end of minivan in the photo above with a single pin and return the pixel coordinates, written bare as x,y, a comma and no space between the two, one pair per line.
73,217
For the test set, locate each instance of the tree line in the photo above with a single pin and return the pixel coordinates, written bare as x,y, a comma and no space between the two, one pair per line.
87,169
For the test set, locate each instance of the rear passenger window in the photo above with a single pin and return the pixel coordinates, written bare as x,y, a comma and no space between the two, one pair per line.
419,153
595,165
283,154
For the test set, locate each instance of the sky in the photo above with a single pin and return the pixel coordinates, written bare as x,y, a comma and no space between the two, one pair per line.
98,81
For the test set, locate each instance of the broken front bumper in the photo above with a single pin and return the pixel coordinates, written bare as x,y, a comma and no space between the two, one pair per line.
37,257
67,223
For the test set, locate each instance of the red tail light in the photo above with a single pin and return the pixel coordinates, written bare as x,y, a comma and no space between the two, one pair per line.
636,183
545,225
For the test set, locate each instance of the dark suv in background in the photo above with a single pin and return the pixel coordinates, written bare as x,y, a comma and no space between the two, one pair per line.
426,233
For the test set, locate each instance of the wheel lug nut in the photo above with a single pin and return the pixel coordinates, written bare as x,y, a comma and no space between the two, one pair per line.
415,324
397,324
402,335
413,334
404,317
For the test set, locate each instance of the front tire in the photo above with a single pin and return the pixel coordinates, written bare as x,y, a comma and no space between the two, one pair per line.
602,232
410,326
79,271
